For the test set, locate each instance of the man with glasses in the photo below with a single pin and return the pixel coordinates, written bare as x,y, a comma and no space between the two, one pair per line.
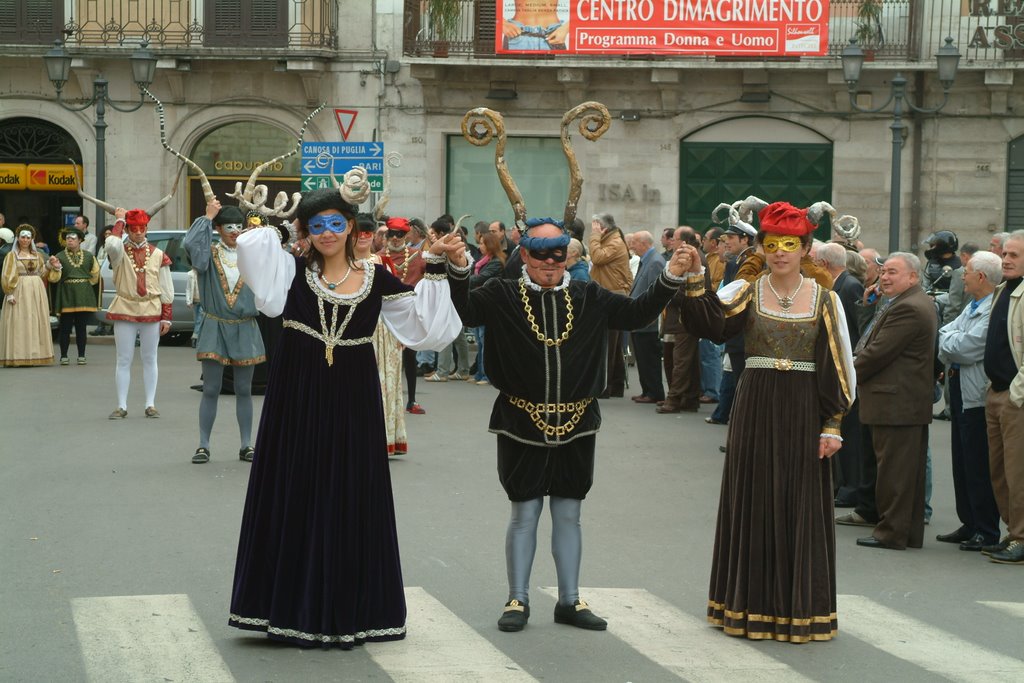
229,334
546,416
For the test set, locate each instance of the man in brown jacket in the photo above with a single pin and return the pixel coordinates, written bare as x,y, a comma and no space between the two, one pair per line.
681,354
895,376
609,259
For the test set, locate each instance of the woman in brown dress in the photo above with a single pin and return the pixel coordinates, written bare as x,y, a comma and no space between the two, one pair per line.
773,574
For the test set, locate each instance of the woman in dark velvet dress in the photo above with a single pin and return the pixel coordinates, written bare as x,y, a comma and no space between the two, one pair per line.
318,561
773,574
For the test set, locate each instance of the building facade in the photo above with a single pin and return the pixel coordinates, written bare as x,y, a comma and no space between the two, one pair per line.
237,78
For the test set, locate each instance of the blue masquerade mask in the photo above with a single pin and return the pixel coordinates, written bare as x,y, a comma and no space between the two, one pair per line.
334,222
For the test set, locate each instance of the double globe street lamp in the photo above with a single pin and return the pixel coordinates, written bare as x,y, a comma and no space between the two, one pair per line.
58,68
948,59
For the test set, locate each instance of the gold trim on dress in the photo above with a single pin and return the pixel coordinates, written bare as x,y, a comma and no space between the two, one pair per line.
232,296
837,357
738,303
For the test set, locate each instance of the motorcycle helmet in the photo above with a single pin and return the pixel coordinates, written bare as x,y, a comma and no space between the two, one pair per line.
941,242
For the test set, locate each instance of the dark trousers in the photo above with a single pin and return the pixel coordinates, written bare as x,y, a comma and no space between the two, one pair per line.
616,385
682,368
727,390
78,319
866,505
647,351
972,483
848,458
899,488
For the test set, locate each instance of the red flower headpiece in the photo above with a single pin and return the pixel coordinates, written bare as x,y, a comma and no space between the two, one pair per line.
137,217
782,218
399,223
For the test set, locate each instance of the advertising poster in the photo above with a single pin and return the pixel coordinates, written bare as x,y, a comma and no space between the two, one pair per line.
755,28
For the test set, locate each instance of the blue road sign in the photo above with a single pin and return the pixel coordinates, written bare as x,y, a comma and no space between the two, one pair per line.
321,159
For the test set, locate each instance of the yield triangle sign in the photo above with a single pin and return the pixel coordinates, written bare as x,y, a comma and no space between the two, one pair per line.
346,117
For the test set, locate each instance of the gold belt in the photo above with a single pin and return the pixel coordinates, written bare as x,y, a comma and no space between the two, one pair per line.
536,410
75,280
782,364
229,321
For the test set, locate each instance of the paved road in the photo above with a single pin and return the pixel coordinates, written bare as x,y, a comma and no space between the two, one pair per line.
117,556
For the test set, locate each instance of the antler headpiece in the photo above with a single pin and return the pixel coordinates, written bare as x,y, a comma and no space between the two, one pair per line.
204,181
481,125
110,208
254,197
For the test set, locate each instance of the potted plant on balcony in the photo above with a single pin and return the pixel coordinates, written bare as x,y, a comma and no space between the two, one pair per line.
868,30
444,23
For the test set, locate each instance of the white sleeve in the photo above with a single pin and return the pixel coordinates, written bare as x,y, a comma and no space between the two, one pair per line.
267,269
426,320
114,247
847,348
166,285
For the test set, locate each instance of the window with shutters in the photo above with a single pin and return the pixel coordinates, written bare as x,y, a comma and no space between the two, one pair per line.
31,22
1015,185
246,23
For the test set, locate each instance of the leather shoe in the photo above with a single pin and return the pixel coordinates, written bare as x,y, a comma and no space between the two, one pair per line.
872,542
712,421
853,519
959,536
975,543
578,614
996,547
707,399
665,409
514,617
1014,554
644,399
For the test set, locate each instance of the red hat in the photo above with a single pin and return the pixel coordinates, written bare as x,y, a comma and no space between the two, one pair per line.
782,218
137,217
398,223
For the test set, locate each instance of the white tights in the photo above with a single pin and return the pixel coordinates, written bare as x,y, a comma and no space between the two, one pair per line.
124,341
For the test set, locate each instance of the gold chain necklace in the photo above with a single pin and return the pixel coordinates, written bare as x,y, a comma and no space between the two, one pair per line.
533,322
131,254
75,258
405,264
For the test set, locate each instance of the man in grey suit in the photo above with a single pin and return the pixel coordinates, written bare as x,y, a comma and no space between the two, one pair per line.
895,364
645,340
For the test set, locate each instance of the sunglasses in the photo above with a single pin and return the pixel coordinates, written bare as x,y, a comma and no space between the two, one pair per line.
366,229
321,223
786,244
557,255
392,234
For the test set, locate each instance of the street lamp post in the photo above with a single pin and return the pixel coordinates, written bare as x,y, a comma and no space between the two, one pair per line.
58,68
948,58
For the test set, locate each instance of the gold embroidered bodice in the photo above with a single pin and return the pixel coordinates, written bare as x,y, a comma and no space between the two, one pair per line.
783,335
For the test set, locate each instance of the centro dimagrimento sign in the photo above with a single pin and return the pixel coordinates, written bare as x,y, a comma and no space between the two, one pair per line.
702,27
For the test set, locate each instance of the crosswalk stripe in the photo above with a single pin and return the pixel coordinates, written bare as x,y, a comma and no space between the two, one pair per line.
146,638
441,647
932,649
684,644
1014,609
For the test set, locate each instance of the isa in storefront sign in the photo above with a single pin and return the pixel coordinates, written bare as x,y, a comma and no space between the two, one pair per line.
666,27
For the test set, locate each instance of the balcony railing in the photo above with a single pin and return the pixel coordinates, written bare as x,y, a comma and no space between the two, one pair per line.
301,24
984,30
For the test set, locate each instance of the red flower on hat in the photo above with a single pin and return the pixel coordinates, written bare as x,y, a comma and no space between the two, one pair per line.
136,217
398,223
782,218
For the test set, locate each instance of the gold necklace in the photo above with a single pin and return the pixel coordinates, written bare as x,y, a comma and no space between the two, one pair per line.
131,254
533,322
75,258
405,264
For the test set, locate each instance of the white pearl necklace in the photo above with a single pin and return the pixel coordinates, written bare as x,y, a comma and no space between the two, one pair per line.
785,302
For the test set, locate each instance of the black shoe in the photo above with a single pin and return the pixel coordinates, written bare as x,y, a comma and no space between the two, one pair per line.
959,536
1014,554
845,503
246,454
514,617
579,615
721,449
872,542
975,543
202,456
995,547
941,415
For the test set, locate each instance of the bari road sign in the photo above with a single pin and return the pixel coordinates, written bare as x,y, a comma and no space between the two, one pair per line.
321,159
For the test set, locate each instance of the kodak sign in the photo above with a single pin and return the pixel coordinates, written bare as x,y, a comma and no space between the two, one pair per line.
51,177
12,176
